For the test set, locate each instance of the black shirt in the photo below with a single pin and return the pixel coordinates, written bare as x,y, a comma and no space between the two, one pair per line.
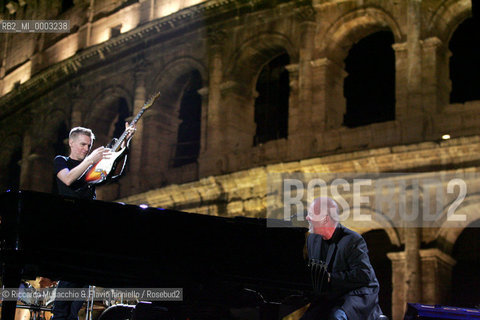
79,188
327,243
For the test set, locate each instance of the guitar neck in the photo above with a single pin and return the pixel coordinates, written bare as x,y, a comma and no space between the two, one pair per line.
147,105
125,133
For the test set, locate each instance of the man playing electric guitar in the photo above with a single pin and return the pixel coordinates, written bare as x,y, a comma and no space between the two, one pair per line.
70,170
77,176
69,173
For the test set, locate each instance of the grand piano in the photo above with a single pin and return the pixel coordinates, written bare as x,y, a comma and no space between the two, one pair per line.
222,264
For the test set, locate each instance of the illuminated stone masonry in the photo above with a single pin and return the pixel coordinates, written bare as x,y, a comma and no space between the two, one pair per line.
210,142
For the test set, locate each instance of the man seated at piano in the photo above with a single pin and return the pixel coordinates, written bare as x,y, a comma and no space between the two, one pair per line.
69,172
344,281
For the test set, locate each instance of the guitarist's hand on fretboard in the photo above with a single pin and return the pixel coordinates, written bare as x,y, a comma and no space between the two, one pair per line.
131,131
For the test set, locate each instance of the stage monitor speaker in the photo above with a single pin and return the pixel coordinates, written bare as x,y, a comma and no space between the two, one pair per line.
429,312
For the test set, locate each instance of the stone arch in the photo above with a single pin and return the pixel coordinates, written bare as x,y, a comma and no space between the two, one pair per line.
465,279
241,72
447,17
109,93
170,84
173,70
332,46
449,231
247,62
335,42
377,221
104,111
437,33
164,120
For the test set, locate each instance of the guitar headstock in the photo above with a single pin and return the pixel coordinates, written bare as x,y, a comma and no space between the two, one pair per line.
151,100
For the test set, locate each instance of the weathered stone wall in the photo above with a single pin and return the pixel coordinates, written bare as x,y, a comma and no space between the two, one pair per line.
229,51
50,81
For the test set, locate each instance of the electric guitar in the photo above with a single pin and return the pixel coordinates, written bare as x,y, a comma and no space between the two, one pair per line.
102,170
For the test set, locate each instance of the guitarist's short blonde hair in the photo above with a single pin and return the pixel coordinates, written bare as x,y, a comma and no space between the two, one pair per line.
81,130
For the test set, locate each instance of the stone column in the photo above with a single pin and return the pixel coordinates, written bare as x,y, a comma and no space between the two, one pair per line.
43,179
295,111
39,175
398,284
152,10
413,274
414,56
437,269
413,222
330,104
76,116
406,265
38,56
436,82
401,81
77,101
214,122
306,18
25,163
408,116
409,78
435,281
36,171
238,127
84,32
203,92
3,63
213,125
301,116
146,10
136,155
89,24
159,138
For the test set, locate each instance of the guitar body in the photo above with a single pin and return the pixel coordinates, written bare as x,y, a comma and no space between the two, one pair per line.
104,169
